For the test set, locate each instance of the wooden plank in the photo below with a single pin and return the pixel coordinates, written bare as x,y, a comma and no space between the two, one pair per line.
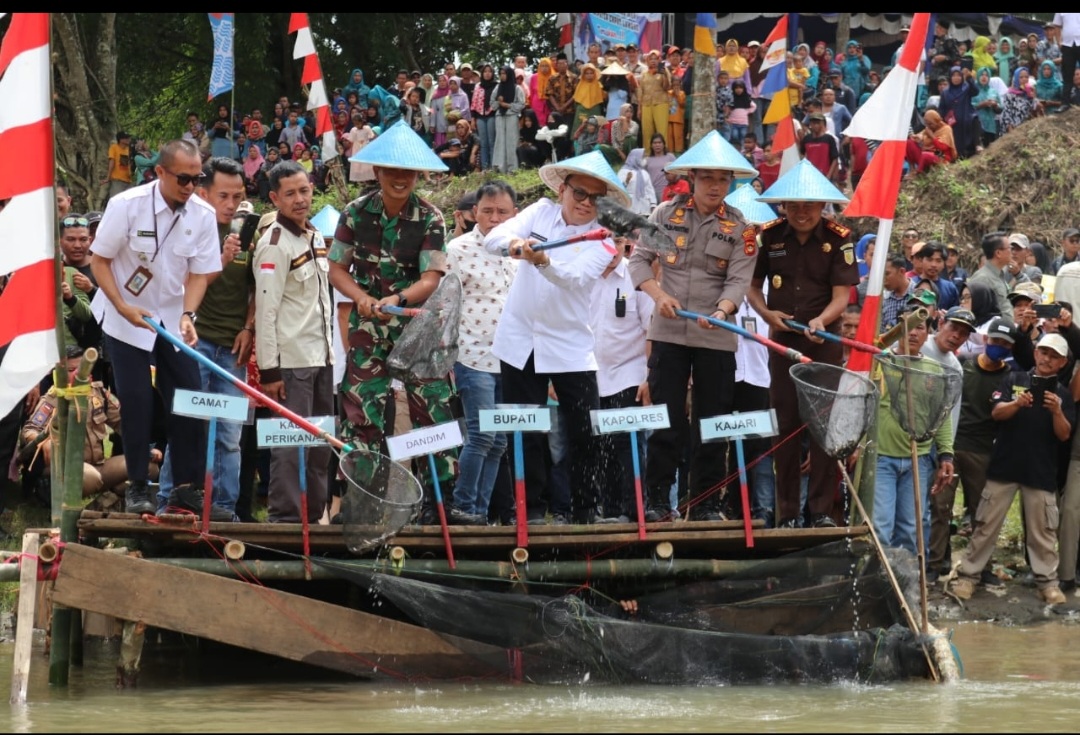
258,618
24,632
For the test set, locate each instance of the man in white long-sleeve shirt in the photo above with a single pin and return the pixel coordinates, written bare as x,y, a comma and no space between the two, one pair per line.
544,334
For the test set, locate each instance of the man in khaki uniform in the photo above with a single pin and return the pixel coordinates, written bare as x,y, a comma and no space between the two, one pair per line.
293,344
708,273
99,473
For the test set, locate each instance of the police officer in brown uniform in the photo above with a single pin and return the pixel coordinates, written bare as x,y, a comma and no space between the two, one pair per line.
709,273
809,264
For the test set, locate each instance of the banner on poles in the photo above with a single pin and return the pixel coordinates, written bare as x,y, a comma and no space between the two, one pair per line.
222,75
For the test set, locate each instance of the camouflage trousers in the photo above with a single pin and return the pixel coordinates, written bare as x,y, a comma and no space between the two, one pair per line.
368,405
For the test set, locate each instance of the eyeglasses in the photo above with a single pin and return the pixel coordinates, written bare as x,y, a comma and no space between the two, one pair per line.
910,237
1074,239
186,179
75,222
581,195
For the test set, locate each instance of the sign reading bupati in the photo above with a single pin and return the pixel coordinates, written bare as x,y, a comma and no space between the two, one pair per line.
515,418
427,440
749,425
635,418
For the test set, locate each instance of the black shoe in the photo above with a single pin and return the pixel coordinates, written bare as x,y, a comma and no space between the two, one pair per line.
558,519
824,520
611,520
458,517
708,515
788,523
932,576
660,515
1067,585
137,499
337,520
989,579
428,516
190,498
536,521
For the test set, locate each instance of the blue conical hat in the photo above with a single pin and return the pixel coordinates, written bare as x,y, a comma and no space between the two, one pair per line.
326,221
400,147
745,200
590,164
804,183
712,152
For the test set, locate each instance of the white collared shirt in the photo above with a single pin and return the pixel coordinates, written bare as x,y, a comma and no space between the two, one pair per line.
139,229
547,310
752,357
620,340
1069,23
485,283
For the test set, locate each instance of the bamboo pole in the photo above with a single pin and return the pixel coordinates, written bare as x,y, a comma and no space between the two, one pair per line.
24,633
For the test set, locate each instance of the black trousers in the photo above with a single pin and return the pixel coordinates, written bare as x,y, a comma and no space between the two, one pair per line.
186,436
578,395
670,369
617,461
1069,56
748,397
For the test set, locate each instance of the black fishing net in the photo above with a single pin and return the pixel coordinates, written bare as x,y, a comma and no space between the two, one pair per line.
625,223
921,392
837,405
820,615
428,346
380,497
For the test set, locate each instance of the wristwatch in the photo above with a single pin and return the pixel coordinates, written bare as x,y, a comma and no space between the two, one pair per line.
190,315
401,300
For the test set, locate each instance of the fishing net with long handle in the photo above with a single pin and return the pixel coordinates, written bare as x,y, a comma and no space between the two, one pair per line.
428,346
624,222
837,405
381,496
921,392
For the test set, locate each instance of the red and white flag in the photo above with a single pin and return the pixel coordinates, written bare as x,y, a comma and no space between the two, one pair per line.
566,29
885,117
312,75
28,348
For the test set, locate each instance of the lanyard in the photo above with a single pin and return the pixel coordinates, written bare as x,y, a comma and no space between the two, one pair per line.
153,213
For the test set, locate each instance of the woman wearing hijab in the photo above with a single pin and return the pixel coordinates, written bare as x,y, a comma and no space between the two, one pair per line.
635,179
1047,86
588,95
741,109
440,106
938,137
483,111
821,60
427,88
617,83
733,63
1020,102
356,84
538,89
253,162
956,108
1005,59
980,53
262,176
625,134
810,64
529,154
987,104
587,136
388,106
509,102
984,305
856,67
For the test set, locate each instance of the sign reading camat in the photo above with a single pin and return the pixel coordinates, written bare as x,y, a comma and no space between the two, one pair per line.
515,418
210,405
428,440
284,433
739,425
636,418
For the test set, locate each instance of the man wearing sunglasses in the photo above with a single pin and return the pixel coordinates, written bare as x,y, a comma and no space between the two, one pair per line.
1070,250
709,273
152,255
544,336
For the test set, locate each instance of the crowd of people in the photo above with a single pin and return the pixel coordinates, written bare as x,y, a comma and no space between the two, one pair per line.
299,312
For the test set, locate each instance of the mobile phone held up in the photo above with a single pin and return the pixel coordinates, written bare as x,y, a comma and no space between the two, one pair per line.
1047,311
1039,385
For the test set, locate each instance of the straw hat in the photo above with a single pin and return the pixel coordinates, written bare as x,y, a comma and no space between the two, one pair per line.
326,221
712,152
803,183
615,69
745,200
590,164
400,147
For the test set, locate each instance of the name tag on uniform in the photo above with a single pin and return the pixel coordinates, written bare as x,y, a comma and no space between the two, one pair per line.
139,280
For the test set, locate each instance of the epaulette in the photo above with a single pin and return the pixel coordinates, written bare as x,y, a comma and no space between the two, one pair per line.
773,223
838,228
275,235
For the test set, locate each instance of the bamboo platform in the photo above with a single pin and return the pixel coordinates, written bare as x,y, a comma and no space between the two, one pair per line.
721,539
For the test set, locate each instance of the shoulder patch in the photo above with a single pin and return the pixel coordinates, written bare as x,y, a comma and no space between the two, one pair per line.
773,223
275,235
749,241
838,228
41,416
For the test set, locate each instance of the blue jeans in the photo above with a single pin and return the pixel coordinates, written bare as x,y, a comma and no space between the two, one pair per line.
479,461
485,131
738,132
894,500
226,474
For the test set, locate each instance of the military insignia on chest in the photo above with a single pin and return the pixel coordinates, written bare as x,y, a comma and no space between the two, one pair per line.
749,242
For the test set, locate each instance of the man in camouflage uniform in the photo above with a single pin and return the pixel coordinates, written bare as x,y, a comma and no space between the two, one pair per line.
389,250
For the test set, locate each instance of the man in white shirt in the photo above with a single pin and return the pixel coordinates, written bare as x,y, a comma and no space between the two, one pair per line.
619,318
154,250
544,334
485,282
1069,23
